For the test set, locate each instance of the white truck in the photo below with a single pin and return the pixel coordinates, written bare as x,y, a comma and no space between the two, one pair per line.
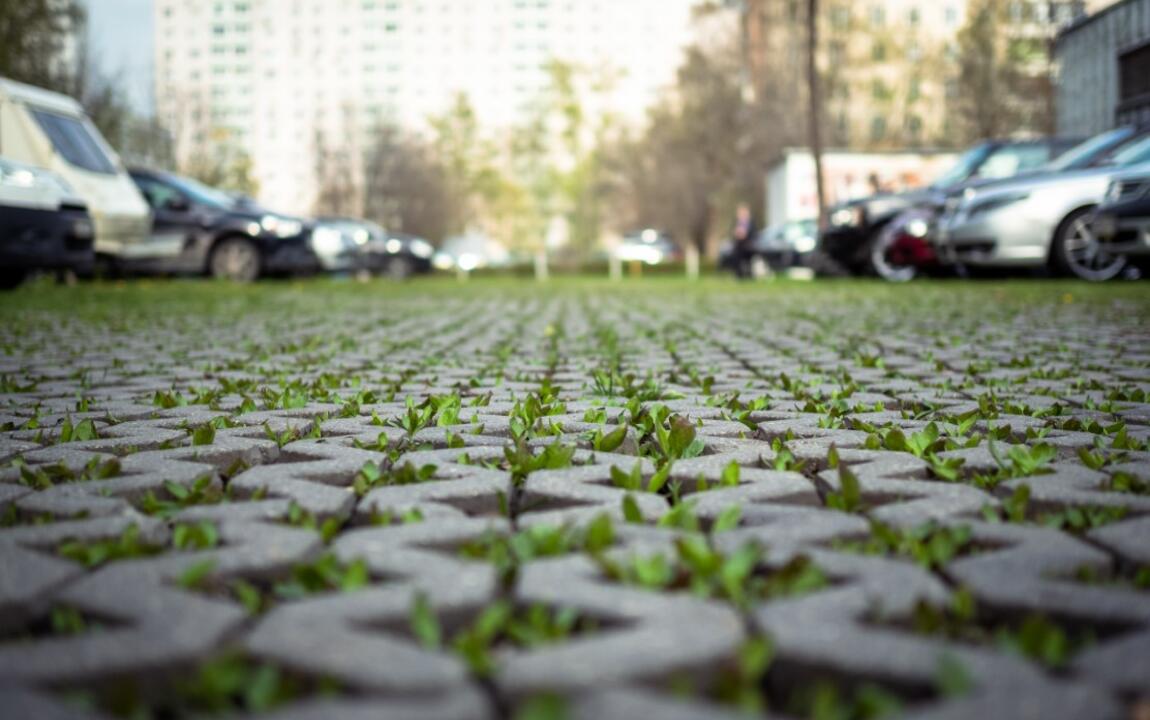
792,195
51,131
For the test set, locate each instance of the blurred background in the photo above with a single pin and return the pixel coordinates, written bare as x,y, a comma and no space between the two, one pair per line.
567,126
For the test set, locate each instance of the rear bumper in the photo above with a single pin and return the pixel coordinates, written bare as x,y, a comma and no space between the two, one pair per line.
32,239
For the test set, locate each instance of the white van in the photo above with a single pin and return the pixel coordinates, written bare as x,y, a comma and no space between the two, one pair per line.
50,130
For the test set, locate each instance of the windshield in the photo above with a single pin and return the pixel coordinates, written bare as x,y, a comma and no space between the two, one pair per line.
203,194
1133,153
964,167
1010,160
72,139
1085,154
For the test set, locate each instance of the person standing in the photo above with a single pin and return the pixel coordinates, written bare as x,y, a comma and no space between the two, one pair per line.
743,233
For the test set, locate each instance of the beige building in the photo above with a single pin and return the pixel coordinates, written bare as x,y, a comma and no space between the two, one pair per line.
891,67
288,80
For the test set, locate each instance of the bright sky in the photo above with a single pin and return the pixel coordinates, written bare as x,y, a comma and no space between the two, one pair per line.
121,37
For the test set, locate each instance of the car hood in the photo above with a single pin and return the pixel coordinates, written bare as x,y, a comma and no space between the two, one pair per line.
1042,181
1141,170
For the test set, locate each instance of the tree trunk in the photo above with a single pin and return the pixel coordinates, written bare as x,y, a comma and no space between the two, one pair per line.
815,114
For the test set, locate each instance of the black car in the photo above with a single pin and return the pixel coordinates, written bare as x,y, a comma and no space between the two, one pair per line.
218,235
1122,222
396,255
853,228
43,225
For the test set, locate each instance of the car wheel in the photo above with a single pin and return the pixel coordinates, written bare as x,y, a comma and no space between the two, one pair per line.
885,259
1077,250
399,268
235,259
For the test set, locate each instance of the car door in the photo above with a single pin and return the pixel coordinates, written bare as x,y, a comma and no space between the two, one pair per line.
174,223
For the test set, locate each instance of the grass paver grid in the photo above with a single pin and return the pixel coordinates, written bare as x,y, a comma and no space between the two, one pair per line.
582,500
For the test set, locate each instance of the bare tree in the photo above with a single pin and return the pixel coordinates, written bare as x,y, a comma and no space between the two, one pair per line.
815,115
406,188
1006,83
37,41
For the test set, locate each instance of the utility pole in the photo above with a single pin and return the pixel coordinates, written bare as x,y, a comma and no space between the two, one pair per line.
815,113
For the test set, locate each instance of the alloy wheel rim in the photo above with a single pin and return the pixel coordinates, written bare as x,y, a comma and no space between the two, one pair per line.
1085,254
235,261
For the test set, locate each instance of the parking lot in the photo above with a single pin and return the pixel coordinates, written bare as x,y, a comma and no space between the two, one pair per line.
582,499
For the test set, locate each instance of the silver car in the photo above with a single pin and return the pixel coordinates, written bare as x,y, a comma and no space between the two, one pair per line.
1036,221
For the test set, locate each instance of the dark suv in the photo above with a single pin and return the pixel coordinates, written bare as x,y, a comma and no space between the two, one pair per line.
43,224
214,234
854,228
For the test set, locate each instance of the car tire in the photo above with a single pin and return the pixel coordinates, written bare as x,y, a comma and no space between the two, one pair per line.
399,268
1075,250
878,260
235,259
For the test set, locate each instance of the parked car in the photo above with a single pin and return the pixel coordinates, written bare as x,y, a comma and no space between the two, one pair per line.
648,246
905,246
473,251
1122,222
211,233
781,247
853,238
50,131
1036,222
44,225
338,245
393,254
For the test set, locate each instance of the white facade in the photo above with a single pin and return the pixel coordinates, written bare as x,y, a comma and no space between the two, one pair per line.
272,75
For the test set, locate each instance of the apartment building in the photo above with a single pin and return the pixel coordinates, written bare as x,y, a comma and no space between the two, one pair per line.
289,80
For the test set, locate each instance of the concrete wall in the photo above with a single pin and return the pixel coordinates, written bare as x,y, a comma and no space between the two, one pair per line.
1087,55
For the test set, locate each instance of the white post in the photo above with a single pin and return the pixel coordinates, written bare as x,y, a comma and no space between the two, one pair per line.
462,275
615,266
541,272
692,262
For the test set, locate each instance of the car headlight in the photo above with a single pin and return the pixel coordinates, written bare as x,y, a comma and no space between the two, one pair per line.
393,246
26,177
361,237
327,241
281,227
999,202
805,244
422,249
847,217
918,228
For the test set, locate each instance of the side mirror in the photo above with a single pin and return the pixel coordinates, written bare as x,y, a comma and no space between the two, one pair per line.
177,203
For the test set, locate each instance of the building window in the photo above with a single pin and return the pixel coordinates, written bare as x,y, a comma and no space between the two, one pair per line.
840,17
